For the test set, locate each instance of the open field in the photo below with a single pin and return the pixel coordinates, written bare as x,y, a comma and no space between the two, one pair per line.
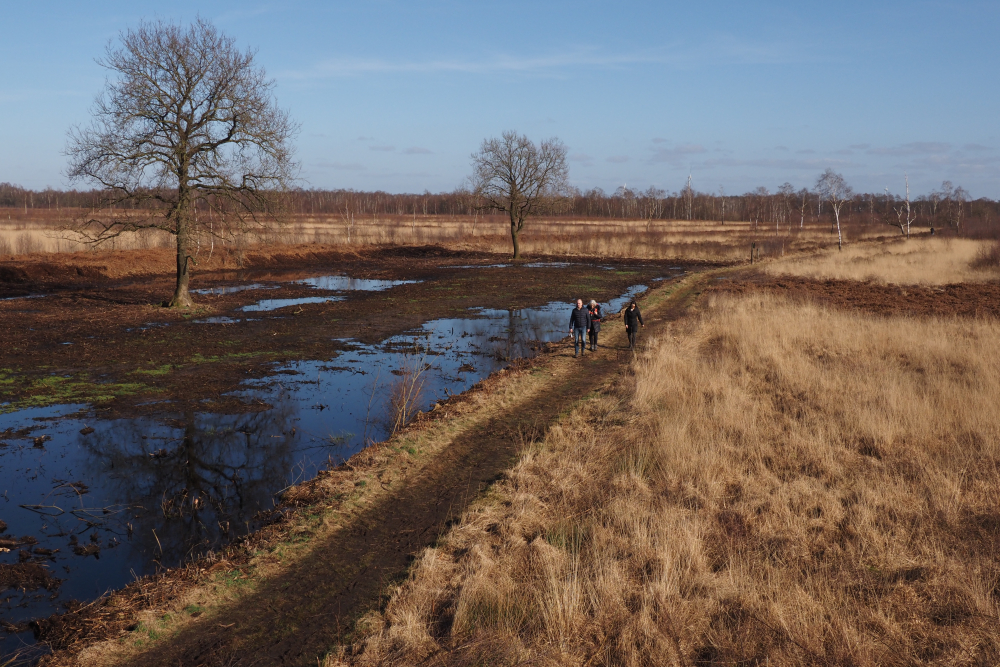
917,261
772,483
800,467
39,232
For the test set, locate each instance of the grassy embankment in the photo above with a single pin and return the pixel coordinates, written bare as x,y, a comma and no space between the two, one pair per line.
776,483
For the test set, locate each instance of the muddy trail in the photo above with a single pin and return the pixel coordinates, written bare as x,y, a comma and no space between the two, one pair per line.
305,604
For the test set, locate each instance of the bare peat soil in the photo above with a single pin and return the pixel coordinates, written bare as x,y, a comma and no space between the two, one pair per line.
100,320
963,299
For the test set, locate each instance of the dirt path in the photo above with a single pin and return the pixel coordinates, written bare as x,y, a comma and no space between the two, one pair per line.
295,616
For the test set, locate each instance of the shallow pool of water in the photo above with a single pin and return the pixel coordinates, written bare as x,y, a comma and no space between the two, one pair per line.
274,304
108,500
348,284
232,289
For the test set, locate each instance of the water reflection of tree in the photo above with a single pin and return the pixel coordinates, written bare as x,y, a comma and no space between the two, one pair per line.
196,484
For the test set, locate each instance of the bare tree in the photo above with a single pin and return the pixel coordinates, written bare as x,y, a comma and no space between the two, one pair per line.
904,216
186,120
832,187
787,192
513,175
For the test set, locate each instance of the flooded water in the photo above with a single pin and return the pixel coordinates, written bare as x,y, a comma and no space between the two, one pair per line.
100,502
346,283
232,289
275,304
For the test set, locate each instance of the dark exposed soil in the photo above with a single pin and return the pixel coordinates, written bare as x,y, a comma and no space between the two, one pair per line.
964,299
106,324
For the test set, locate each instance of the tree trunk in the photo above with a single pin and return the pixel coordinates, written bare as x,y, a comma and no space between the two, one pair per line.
840,238
513,238
182,298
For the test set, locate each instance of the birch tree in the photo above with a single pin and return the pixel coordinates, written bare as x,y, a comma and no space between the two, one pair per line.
185,119
904,216
832,187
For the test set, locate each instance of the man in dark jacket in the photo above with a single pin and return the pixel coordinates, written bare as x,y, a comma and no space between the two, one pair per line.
633,320
579,324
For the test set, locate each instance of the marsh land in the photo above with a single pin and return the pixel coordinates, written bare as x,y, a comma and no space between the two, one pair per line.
799,465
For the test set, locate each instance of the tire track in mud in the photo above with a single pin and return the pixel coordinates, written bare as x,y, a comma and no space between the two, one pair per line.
295,617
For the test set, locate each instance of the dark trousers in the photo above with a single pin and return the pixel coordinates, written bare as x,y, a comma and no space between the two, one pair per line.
578,339
631,337
593,339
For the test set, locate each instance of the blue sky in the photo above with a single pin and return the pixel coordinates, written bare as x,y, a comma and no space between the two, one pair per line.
396,95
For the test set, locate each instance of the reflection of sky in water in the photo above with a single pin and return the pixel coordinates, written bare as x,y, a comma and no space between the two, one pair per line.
346,283
232,289
167,489
274,304
26,296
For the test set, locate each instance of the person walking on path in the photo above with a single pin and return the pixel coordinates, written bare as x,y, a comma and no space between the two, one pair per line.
633,320
579,325
595,323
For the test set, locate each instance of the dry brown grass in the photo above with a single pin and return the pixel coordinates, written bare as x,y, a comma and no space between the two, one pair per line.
918,261
777,484
39,232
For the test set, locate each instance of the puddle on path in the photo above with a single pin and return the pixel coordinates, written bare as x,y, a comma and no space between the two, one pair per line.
106,500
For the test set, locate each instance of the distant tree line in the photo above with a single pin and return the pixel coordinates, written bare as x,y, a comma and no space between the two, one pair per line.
948,207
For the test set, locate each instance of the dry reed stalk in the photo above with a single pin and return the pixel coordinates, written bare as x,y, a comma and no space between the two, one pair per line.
778,484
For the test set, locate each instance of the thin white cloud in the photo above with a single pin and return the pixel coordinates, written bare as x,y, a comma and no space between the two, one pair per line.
976,147
818,163
723,49
617,159
913,148
341,166
678,153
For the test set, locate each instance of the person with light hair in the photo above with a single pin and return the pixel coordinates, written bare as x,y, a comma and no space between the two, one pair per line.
595,323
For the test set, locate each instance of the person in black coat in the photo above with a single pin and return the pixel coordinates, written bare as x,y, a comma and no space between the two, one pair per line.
633,320
595,323
579,325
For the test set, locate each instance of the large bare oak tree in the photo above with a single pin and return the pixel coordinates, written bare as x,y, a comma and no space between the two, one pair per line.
513,175
186,120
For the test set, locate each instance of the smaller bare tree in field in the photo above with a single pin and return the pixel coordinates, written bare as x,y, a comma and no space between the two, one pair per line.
186,120
832,187
904,217
513,175
787,192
